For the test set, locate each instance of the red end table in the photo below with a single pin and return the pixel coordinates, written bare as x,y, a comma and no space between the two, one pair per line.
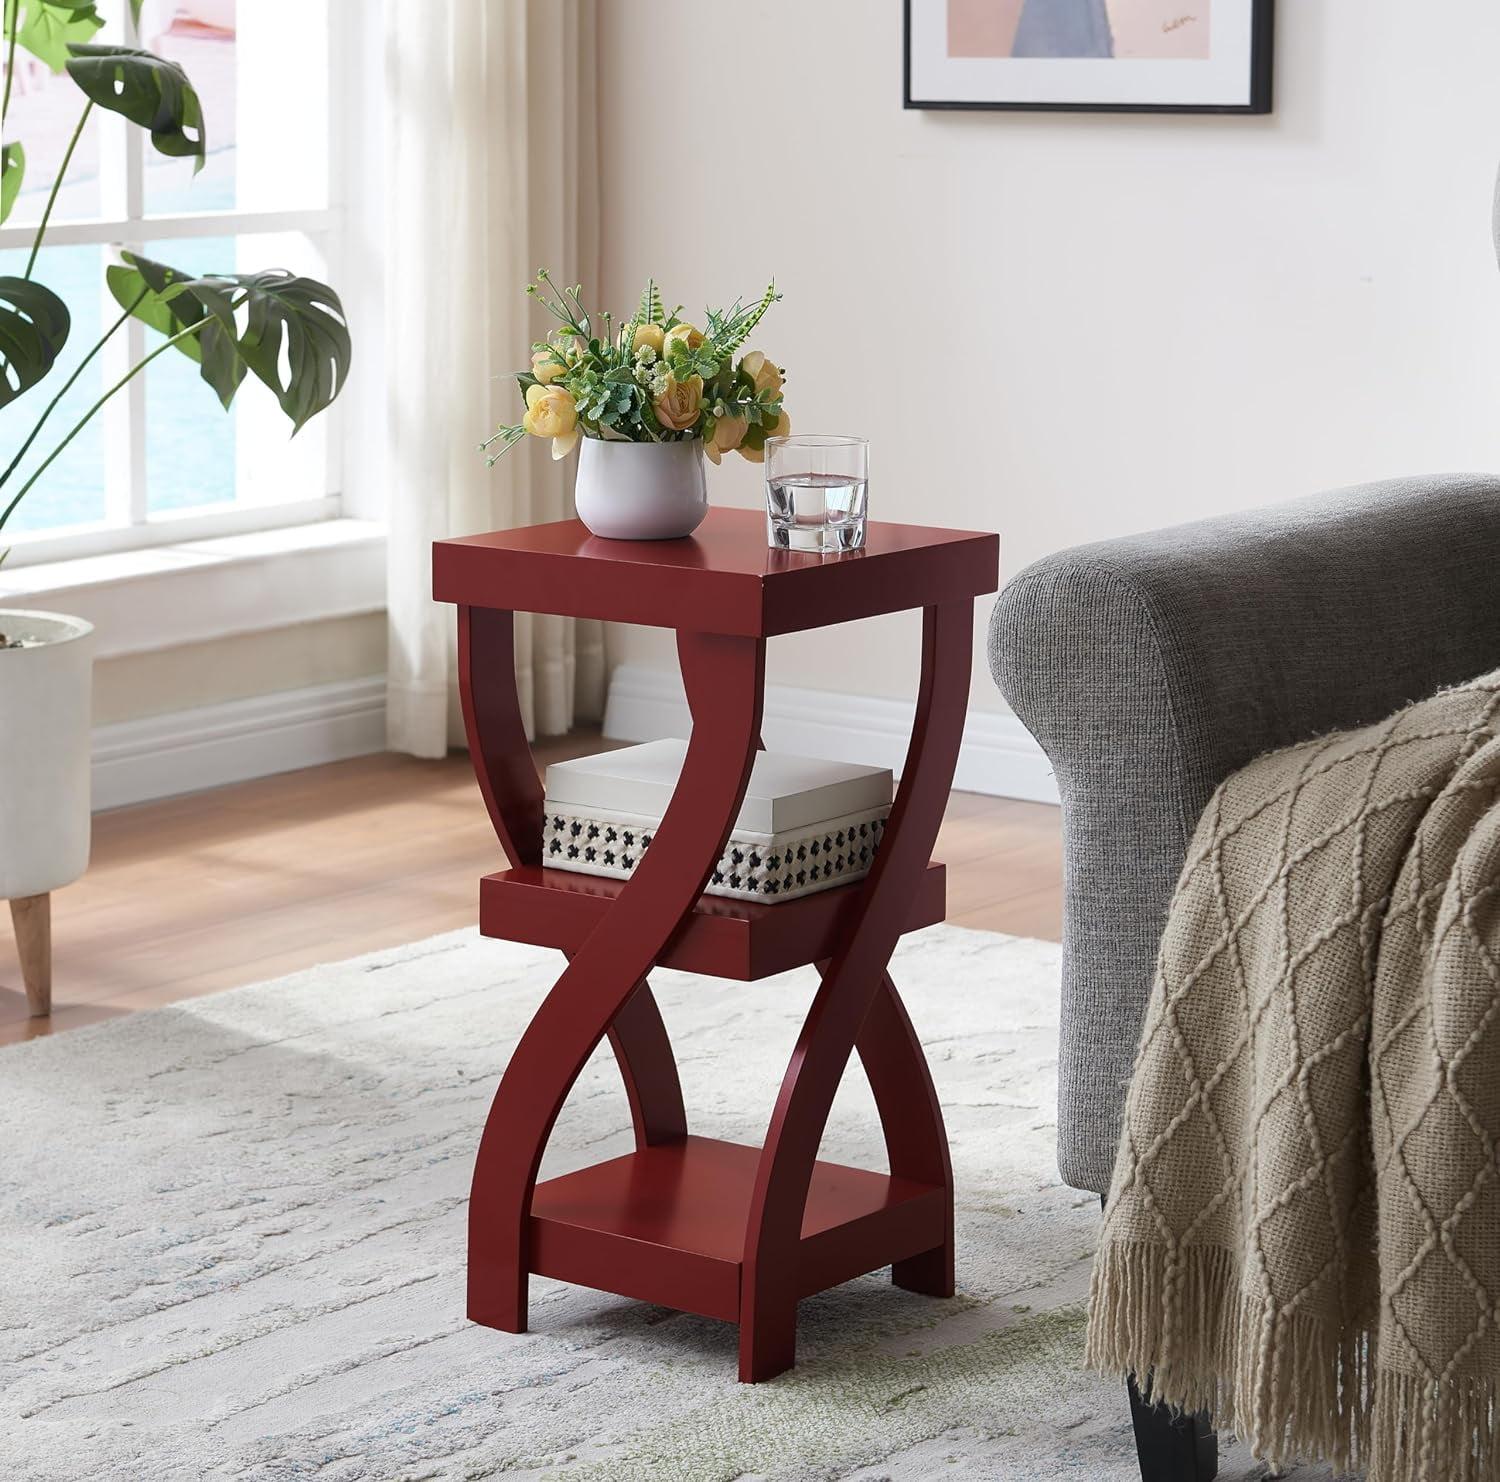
694,1223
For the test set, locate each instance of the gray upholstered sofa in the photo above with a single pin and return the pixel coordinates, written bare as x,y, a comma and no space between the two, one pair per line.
1151,667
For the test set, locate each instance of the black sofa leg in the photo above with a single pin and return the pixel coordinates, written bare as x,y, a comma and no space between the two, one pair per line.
1171,1446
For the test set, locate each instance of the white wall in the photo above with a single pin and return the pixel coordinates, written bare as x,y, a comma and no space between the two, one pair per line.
165,682
204,714
1067,327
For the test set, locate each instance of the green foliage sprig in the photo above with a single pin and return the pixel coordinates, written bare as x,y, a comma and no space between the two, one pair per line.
654,378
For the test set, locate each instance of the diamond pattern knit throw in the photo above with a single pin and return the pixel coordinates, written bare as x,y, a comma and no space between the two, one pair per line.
1303,1232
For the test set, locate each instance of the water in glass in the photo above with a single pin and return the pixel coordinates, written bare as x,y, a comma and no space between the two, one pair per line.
816,511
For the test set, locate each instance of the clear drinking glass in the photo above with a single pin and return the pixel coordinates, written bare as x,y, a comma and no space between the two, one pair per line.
816,491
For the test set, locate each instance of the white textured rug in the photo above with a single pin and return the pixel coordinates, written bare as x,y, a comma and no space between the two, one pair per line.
232,1244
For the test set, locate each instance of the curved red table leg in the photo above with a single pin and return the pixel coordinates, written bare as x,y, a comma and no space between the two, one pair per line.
498,747
853,982
513,795
639,1039
912,1119
725,679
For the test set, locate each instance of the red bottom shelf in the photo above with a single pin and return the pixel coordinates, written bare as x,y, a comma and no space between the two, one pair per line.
667,1225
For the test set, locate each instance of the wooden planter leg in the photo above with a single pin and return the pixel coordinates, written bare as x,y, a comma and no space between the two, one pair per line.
32,916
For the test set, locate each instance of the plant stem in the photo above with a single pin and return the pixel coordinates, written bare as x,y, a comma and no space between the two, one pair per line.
68,386
62,170
84,420
12,25
511,435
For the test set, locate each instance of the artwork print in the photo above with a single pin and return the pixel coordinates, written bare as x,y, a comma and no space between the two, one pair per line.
1126,55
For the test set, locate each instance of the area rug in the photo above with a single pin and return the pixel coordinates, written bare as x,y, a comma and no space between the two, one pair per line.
232,1245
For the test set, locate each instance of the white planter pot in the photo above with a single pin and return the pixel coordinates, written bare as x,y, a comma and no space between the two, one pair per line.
641,491
46,701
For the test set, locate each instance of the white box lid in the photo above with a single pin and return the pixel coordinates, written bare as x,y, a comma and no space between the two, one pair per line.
785,792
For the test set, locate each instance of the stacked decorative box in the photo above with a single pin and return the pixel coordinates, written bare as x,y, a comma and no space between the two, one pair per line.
805,824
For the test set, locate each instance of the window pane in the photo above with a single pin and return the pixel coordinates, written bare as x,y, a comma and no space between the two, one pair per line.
189,437
44,111
197,454
200,36
261,71
71,492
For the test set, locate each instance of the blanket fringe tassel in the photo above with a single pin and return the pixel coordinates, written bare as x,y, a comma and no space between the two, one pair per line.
1290,1384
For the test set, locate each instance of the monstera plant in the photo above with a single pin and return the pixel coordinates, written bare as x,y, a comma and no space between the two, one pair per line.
287,331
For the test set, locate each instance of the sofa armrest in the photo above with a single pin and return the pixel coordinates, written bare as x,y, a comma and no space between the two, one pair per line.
1149,668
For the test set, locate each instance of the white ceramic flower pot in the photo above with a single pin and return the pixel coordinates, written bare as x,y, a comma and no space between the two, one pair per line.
46,700
641,491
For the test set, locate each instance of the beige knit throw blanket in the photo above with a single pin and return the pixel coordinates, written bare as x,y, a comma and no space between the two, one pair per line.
1303,1232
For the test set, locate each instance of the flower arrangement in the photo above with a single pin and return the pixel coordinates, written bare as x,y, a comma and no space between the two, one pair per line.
655,379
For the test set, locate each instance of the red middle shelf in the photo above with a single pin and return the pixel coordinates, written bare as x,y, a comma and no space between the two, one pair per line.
724,938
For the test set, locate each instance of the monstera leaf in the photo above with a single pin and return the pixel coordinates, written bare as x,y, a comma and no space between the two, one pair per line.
145,288
147,90
48,27
255,322
34,326
12,173
303,320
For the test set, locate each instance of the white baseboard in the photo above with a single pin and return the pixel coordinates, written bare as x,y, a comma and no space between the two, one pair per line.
137,760
189,750
999,756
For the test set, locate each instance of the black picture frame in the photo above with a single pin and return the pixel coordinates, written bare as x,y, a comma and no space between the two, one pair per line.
1262,47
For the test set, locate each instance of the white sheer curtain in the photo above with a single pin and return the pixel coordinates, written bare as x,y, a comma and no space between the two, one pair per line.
493,173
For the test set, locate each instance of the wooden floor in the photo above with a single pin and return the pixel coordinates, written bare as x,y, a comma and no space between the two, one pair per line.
244,883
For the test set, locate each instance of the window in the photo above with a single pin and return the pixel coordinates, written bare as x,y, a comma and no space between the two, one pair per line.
163,461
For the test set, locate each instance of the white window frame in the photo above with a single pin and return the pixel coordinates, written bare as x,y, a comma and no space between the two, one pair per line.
353,129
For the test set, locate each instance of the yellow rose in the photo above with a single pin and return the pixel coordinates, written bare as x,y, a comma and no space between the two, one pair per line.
677,407
758,455
729,433
648,334
684,335
545,367
765,375
550,413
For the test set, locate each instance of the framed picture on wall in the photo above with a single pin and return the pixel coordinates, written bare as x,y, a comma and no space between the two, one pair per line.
1090,56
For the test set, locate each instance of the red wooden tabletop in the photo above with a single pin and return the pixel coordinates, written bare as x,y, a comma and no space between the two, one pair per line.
722,579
